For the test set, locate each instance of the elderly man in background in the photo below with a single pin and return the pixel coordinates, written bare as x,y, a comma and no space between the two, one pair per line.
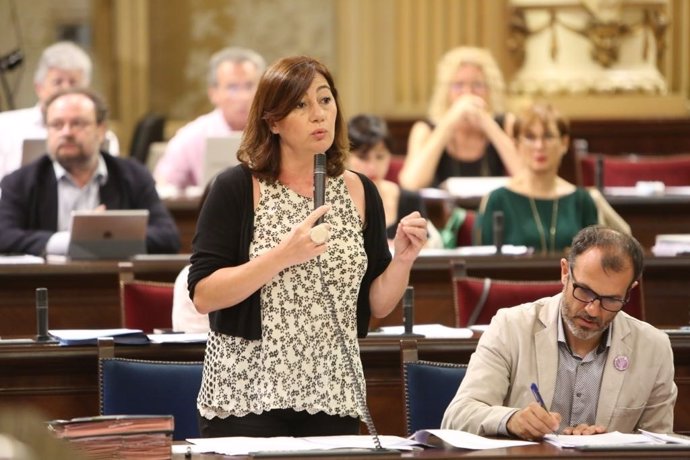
232,79
62,65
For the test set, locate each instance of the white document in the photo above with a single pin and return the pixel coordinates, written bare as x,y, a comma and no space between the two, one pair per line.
432,331
465,440
21,259
246,445
485,250
614,438
198,337
86,334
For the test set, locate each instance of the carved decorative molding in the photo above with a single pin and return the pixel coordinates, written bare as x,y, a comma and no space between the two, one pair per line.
608,28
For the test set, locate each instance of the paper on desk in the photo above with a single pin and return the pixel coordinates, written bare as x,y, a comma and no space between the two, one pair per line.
21,259
485,250
465,440
615,438
433,331
669,438
90,336
246,445
198,337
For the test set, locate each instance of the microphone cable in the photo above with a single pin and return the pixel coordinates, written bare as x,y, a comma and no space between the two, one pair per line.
359,395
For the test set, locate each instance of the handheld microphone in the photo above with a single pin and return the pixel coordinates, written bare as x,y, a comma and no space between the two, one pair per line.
42,315
498,231
319,182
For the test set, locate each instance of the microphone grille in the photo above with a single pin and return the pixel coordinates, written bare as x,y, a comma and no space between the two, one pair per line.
41,296
320,162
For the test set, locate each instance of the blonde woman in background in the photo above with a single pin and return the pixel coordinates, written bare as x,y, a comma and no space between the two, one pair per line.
464,135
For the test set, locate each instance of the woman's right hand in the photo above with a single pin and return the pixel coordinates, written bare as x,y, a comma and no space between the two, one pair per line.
297,246
467,109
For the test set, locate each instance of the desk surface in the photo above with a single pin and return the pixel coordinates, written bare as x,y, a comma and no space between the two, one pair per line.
540,451
63,381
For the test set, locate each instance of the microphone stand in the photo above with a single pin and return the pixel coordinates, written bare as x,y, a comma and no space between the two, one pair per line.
408,313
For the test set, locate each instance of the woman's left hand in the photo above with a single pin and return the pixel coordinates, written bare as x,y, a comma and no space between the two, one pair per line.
410,236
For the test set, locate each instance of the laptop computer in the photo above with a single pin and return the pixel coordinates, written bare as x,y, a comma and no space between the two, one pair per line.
32,149
110,234
221,153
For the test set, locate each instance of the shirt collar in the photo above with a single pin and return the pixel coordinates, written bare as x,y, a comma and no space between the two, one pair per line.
100,175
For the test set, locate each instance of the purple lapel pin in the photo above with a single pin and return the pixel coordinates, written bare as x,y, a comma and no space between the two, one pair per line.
621,362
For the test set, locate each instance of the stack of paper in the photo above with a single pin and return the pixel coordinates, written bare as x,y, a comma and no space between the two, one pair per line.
671,244
119,436
618,440
120,336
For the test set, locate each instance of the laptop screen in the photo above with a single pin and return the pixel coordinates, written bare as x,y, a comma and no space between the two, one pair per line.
110,234
221,153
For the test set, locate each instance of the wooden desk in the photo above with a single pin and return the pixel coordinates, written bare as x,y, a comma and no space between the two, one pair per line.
185,211
86,294
538,451
665,284
81,294
62,381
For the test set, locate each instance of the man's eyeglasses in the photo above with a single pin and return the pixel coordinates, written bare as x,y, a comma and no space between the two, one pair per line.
77,124
586,295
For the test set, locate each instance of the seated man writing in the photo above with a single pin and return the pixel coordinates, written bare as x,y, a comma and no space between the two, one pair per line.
598,368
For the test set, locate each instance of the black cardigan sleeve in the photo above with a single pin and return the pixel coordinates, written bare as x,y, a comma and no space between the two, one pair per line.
376,247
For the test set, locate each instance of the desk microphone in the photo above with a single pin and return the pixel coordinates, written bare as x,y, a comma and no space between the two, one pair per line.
599,172
498,231
408,312
42,315
319,182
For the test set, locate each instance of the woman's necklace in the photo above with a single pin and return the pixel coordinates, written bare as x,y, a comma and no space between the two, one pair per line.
540,226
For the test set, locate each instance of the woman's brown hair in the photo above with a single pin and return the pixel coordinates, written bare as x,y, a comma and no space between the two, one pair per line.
280,89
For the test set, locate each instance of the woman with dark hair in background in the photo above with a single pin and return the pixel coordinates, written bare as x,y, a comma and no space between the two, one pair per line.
370,149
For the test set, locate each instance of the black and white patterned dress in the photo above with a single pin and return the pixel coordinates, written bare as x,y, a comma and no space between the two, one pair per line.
298,363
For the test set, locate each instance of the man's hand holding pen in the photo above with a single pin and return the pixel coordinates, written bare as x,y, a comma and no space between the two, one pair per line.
534,421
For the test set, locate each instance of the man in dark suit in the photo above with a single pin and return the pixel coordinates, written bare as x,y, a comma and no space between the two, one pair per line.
37,200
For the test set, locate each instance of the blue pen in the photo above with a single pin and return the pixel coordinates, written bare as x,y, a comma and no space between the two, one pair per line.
537,396
540,400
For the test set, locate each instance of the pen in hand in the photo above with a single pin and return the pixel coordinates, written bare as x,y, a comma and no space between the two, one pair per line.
540,400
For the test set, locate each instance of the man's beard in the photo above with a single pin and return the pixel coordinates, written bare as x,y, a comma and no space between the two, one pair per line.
77,162
577,331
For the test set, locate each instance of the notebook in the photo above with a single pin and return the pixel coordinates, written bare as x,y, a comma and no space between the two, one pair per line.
110,234
221,153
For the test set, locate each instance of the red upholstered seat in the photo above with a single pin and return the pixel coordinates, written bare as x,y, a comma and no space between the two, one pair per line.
395,167
627,170
146,305
478,299
466,230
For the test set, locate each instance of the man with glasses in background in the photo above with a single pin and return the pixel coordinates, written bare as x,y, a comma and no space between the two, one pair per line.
232,79
596,368
37,200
